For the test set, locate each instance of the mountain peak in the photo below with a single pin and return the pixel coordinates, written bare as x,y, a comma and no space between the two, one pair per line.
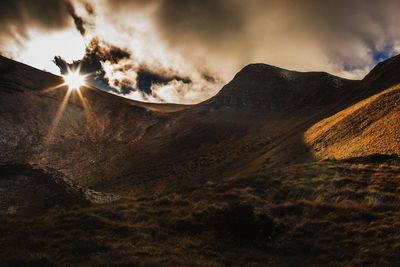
269,88
384,75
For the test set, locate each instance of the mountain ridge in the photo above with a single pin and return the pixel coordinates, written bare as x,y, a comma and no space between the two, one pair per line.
214,184
266,87
131,136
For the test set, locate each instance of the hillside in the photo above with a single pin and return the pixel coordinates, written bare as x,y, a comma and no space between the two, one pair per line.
117,138
35,131
236,180
366,128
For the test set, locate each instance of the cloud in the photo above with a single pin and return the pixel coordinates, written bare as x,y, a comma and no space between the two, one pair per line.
77,20
184,51
34,31
221,36
16,17
207,20
96,54
336,36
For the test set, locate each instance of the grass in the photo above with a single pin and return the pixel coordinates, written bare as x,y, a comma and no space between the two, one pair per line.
368,127
330,212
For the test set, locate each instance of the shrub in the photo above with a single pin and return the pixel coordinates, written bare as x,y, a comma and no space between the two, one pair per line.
241,223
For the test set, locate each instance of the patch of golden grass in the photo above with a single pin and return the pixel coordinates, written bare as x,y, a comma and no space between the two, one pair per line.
371,126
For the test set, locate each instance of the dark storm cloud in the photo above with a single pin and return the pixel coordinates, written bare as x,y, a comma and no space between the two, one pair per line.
21,14
209,20
17,16
337,36
77,20
342,26
130,3
102,51
146,78
89,8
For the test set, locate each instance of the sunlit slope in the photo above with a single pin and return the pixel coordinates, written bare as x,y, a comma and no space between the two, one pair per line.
371,126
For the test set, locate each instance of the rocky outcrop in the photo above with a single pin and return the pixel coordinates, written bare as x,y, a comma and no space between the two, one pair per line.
29,190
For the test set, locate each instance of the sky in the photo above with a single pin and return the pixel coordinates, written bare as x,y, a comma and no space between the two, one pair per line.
184,51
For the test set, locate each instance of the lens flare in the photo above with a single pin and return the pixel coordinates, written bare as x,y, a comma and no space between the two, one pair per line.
74,80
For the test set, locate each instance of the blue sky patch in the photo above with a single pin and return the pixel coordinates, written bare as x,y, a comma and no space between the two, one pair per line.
380,56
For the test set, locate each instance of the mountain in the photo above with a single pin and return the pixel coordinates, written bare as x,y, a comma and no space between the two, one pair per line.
268,88
117,137
278,164
255,122
383,76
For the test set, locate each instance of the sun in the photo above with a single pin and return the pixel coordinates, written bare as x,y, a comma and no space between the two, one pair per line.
74,80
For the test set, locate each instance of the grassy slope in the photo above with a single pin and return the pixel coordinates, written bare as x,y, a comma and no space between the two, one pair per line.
368,127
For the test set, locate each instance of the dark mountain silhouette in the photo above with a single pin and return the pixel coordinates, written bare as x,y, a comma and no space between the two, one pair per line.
268,88
383,76
278,164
